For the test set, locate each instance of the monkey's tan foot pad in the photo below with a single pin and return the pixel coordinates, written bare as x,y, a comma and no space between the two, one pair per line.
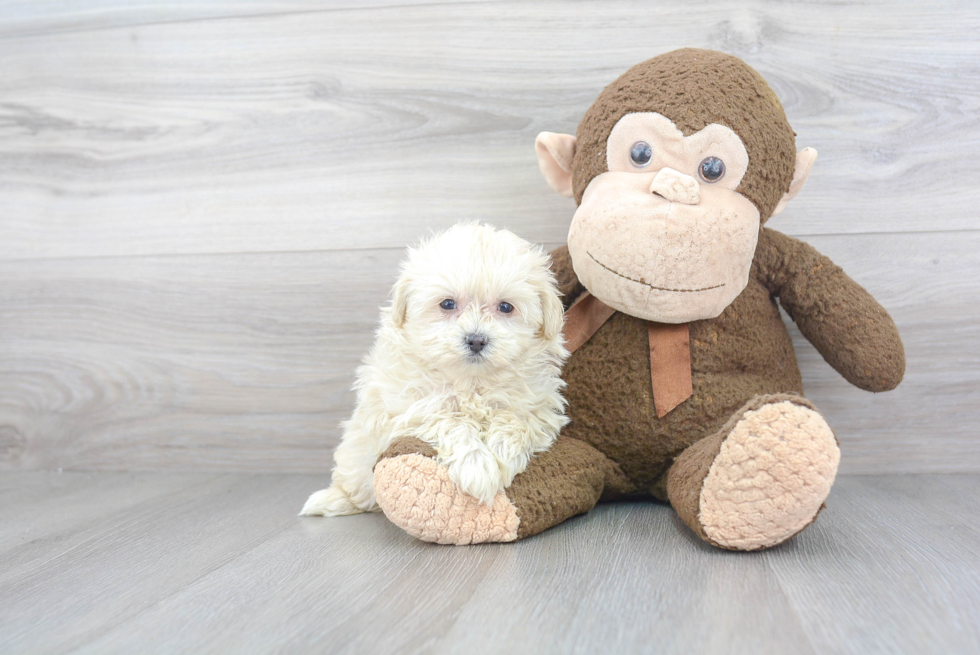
770,478
416,494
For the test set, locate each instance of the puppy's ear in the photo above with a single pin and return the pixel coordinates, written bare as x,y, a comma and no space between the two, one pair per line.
399,301
552,311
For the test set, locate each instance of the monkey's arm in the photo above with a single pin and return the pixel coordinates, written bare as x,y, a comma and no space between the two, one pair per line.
846,325
568,284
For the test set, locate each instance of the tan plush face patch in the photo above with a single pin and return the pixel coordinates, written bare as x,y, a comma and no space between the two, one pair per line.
663,234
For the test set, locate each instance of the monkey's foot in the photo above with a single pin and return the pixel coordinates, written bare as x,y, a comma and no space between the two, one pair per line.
762,479
415,493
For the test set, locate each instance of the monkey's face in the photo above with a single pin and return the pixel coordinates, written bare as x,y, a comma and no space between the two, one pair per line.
663,234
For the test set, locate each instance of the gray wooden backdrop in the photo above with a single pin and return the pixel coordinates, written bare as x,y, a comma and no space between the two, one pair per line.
202,204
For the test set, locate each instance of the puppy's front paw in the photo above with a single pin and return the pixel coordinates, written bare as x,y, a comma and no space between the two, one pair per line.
513,439
477,473
511,457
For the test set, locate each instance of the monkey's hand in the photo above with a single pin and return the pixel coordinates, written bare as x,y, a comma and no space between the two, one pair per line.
843,321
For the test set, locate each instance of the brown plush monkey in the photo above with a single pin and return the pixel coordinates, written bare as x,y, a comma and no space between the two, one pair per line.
683,384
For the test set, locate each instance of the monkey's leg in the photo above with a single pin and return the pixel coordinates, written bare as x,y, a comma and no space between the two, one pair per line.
415,493
759,480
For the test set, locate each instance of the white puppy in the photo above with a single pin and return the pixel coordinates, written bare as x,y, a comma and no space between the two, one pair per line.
467,359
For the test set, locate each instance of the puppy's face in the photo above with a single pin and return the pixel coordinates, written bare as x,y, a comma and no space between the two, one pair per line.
474,298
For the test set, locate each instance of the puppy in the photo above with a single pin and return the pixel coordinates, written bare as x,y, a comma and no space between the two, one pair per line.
467,358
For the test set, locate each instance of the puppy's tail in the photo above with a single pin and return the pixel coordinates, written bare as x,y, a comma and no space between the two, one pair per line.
329,502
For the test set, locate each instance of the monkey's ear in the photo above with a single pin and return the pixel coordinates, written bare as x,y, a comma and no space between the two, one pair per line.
555,155
804,162
399,301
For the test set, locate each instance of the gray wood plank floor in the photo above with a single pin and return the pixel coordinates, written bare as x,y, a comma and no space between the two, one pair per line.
157,562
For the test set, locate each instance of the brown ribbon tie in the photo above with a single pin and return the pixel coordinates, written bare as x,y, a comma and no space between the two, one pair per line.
583,319
670,365
670,349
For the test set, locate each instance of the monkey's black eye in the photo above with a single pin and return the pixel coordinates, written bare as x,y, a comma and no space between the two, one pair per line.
505,307
711,169
448,304
641,153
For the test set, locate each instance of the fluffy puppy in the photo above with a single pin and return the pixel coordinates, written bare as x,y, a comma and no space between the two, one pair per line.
467,358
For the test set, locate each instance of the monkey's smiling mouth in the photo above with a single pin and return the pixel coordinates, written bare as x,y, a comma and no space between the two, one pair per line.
644,283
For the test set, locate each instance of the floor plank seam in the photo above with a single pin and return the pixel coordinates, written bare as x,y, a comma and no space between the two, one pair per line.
93,527
183,586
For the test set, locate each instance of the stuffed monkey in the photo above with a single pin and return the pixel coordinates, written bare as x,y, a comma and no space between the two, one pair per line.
683,384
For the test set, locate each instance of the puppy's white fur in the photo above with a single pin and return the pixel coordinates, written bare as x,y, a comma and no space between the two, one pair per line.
486,414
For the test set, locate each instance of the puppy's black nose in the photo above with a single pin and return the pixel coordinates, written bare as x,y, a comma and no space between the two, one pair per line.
476,342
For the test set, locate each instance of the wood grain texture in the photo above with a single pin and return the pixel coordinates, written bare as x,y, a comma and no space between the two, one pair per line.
361,129
39,512
882,530
203,204
245,362
184,362
33,17
222,565
114,568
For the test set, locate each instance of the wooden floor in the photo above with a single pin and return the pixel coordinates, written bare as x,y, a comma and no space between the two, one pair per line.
166,562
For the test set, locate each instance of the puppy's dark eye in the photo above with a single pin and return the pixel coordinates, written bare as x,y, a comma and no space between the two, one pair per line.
505,307
711,169
448,304
641,153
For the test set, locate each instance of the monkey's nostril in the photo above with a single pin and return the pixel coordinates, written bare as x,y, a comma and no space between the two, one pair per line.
476,342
